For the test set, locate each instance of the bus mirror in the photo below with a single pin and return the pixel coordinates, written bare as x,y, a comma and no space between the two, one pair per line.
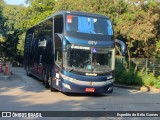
123,46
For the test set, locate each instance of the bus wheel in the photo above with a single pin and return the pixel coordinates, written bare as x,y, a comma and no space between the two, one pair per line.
28,71
53,89
45,79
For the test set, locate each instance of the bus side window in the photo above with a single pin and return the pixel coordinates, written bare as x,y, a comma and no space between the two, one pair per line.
58,50
58,29
58,24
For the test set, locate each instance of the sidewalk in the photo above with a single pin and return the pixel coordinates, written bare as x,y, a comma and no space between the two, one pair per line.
3,77
141,88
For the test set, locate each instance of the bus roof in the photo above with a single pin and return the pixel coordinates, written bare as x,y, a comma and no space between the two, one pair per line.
76,13
63,12
80,13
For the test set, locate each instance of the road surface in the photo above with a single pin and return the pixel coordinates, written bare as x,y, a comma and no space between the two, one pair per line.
23,93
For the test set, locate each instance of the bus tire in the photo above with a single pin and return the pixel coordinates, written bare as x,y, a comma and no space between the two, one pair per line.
53,89
28,72
45,79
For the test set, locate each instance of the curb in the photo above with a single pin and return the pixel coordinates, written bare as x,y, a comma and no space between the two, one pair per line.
4,77
141,88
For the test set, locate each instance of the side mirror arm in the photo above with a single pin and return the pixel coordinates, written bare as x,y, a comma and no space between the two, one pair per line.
123,46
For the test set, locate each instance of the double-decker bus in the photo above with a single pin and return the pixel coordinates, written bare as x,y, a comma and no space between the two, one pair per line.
72,52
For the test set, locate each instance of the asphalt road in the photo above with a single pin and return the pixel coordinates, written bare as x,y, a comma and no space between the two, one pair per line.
23,93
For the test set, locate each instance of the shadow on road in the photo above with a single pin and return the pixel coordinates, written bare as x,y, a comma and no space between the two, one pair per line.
23,93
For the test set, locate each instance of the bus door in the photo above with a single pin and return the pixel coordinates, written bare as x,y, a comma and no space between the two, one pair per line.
58,42
57,83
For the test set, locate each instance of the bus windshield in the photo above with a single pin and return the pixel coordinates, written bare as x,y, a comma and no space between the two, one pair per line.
89,25
89,59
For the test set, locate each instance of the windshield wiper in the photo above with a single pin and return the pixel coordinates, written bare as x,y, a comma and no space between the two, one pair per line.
71,70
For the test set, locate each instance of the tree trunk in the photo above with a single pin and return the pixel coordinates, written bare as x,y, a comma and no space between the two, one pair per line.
129,58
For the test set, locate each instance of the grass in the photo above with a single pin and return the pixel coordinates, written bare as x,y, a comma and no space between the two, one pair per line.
129,77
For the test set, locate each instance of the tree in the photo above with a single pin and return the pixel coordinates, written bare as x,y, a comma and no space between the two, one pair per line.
139,27
28,1
10,29
35,13
136,24
1,28
1,20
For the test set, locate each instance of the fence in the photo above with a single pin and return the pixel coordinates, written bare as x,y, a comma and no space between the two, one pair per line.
147,64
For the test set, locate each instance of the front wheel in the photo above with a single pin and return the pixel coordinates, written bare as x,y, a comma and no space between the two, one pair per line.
28,72
45,79
53,89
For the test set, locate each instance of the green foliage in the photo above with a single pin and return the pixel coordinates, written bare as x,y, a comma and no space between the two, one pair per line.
11,14
138,26
9,31
157,85
1,19
148,79
139,23
127,77
158,48
35,13
32,15
20,46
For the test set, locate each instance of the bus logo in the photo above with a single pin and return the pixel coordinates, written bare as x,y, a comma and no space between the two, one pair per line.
92,42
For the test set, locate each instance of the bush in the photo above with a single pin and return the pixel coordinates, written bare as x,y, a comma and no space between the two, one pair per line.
157,84
149,79
127,77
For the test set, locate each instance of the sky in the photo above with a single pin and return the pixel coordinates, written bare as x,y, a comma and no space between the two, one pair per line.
15,2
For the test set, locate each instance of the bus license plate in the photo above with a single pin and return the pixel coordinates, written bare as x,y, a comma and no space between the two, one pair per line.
90,89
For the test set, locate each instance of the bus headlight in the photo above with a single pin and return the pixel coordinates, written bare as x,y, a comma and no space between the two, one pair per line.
66,86
109,77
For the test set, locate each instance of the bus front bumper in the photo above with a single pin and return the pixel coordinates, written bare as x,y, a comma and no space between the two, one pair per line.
74,88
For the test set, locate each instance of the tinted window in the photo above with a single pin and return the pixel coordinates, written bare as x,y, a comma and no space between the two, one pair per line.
43,45
58,24
58,50
89,25
58,30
